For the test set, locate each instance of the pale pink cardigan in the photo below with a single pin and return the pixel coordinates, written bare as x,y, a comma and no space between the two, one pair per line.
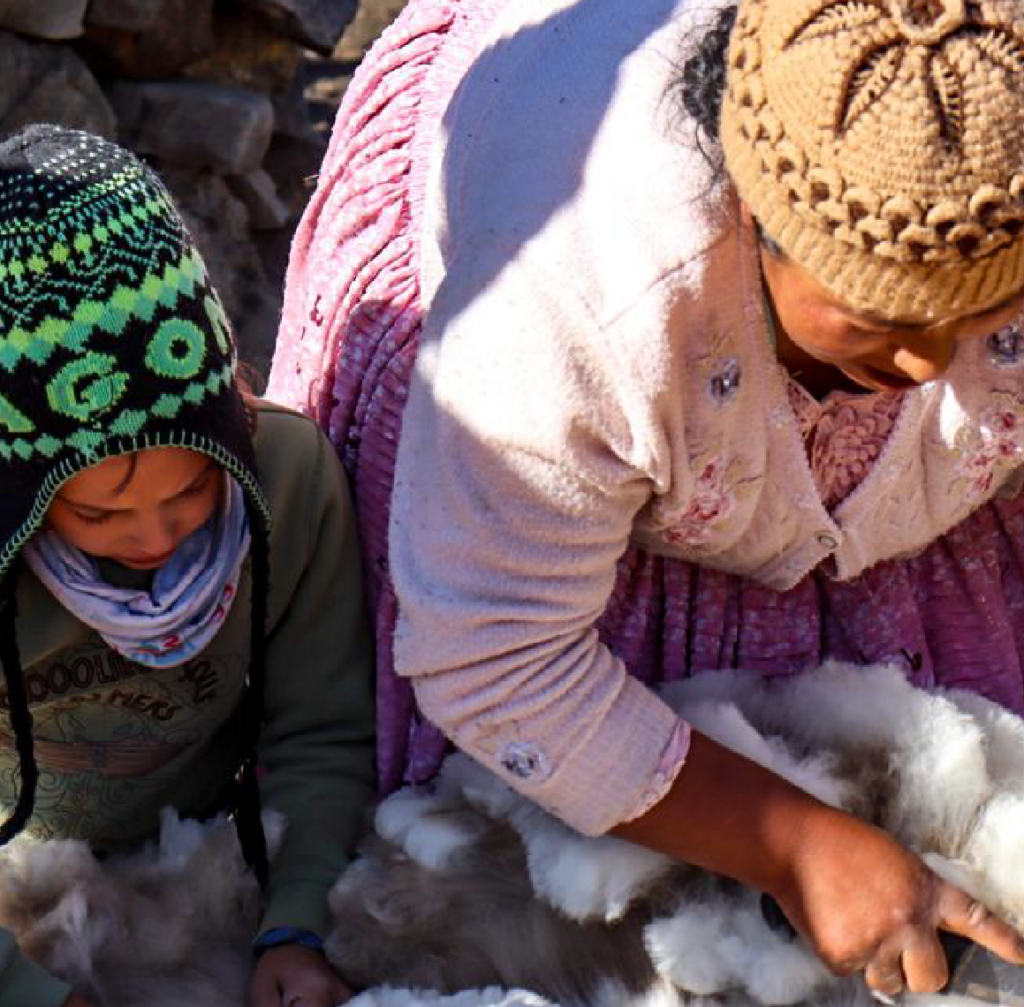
347,346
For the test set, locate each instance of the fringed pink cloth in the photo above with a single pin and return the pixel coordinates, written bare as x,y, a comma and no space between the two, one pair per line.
952,615
351,314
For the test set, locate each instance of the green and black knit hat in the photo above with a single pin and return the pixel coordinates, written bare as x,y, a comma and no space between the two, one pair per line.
112,340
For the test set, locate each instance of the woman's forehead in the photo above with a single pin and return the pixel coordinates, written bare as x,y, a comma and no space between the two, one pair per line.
792,271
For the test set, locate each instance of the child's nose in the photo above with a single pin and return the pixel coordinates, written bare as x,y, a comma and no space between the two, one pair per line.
156,534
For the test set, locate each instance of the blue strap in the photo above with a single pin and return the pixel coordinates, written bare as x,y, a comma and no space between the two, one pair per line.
287,935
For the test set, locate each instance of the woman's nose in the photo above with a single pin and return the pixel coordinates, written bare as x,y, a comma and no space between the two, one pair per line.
926,358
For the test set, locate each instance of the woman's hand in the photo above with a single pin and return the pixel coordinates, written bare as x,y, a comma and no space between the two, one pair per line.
77,1000
293,976
861,899
867,904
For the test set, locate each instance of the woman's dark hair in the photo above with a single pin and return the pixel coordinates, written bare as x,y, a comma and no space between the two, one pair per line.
702,83
767,242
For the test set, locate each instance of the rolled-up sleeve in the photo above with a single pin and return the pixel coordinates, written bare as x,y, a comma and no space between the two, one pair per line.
523,463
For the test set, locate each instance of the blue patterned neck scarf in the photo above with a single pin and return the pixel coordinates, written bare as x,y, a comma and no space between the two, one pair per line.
184,608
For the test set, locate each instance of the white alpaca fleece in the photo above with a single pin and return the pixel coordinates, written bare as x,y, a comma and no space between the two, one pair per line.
169,925
469,895
386,996
623,925
584,877
785,970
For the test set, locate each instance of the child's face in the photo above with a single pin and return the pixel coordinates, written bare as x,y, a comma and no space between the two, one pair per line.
136,509
876,353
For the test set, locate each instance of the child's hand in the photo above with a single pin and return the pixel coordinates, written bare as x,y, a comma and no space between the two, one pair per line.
867,903
293,976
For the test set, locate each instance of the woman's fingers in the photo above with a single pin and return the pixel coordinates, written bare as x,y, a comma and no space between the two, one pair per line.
925,968
961,914
920,965
884,975
864,901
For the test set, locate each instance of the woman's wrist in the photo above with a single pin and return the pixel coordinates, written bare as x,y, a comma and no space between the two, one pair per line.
732,816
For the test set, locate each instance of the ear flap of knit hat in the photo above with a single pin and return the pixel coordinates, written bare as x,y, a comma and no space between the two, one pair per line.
881,144
18,712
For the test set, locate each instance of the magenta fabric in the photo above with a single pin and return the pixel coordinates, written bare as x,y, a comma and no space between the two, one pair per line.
843,436
952,616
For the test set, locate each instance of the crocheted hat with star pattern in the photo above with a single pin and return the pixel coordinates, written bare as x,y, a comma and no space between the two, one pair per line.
881,144
111,337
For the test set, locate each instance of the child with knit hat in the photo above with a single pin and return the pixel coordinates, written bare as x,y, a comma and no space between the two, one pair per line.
669,335
180,593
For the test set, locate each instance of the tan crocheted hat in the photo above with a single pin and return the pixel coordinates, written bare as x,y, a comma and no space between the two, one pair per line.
881,144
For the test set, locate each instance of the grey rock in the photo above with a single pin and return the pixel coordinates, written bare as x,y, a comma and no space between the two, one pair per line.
291,112
195,123
256,189
274,248
317,24
41,82
181,34
291,118
126,15
247,51
219,224
294,163
371,19
49,19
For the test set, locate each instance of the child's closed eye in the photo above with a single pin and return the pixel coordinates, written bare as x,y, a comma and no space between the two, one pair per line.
92,518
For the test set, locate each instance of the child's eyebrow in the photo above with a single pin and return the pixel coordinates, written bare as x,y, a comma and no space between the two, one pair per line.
93,508
200,476
133,464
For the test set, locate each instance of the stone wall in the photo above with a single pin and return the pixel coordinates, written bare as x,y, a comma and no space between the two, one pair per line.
210,92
